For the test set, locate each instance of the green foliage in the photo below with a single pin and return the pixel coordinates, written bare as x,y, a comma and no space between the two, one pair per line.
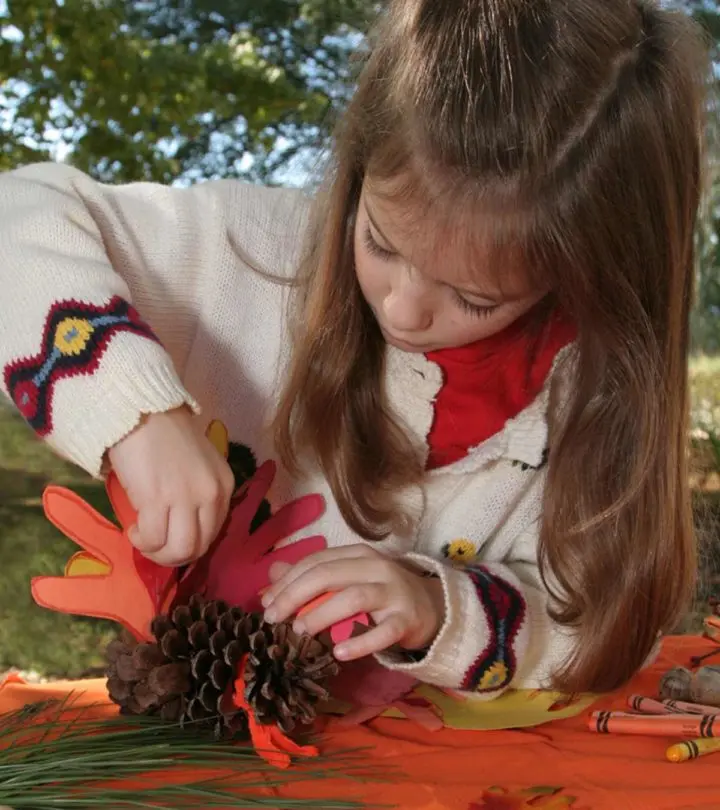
46,762
163,89
706,317
32,638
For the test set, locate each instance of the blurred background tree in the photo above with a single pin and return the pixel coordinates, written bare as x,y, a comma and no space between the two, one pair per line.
174,89
186,90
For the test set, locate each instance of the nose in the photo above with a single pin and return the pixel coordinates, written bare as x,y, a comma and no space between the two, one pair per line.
407,307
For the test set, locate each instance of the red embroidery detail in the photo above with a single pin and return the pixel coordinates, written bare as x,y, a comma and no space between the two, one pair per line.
505,609
75,337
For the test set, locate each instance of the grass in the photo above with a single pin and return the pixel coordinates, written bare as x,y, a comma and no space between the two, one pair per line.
32,638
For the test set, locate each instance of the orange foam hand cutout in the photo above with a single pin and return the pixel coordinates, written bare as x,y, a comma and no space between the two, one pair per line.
109,579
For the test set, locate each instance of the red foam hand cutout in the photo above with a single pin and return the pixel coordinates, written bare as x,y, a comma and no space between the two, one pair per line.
237,567
120,594
365,682
372,689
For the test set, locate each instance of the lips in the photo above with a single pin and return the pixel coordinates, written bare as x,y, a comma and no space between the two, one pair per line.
401,344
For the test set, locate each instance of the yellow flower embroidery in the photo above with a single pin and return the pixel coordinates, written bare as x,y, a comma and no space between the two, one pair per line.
72,335
495,676
460,551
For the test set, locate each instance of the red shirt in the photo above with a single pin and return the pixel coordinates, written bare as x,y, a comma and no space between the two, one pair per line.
485,384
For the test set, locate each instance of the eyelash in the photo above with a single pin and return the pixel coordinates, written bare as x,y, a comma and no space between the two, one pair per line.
374,248
377,250
474,309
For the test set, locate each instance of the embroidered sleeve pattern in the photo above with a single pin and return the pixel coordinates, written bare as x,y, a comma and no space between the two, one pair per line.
505,609
482,647
75,337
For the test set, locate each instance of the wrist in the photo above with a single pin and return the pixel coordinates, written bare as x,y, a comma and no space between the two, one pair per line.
434,615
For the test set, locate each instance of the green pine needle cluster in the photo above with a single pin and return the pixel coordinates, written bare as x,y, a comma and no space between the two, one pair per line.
57,756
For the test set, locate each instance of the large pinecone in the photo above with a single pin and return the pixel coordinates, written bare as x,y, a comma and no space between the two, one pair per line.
285,675
185,674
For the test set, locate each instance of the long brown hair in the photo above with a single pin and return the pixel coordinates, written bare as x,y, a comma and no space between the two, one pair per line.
573,127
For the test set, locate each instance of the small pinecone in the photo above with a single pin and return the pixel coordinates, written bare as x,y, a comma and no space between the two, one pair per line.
185,675
285,675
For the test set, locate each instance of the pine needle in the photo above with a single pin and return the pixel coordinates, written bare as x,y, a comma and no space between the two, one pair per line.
58,755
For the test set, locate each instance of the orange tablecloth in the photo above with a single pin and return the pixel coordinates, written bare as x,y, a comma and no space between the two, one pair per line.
551,767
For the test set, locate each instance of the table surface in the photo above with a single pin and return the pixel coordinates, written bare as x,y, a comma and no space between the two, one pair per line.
549,767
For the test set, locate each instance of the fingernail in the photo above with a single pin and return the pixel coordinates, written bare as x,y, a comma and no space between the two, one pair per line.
267,600
271,615
340,652
299,627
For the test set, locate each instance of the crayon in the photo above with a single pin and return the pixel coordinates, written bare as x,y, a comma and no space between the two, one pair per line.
650,706
691,749
660,725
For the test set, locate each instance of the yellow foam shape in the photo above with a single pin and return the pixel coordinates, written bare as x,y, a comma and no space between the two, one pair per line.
519,708
522,708
217,434
84,564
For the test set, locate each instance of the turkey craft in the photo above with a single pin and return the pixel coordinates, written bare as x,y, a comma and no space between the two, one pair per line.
194,646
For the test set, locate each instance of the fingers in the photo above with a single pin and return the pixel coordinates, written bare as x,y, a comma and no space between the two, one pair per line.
178,484
175,535
386,634
314,561
364,598
278,570
182,538
287,597
149,535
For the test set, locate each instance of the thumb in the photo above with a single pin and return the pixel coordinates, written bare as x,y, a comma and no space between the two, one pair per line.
140,542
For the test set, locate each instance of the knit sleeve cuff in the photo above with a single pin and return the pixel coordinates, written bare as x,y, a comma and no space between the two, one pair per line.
87,414
483,637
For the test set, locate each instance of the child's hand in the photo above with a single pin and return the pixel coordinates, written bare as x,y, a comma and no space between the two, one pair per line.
407,608
178,483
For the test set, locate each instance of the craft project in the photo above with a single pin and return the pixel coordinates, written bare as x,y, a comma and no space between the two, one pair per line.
193,634
195,647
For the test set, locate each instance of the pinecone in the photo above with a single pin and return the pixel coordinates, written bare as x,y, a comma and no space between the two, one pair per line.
184,675
285,675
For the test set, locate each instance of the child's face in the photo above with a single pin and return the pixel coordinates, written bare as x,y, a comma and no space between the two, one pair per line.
429,302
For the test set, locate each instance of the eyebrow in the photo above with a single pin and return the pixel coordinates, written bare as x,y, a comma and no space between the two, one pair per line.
472,293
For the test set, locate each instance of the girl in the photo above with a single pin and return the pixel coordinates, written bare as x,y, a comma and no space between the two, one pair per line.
473,342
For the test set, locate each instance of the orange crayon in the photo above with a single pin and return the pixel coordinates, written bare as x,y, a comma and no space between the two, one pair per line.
650,706
659,725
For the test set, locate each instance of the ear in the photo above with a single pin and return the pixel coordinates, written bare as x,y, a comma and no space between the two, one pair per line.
77,520
124,510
